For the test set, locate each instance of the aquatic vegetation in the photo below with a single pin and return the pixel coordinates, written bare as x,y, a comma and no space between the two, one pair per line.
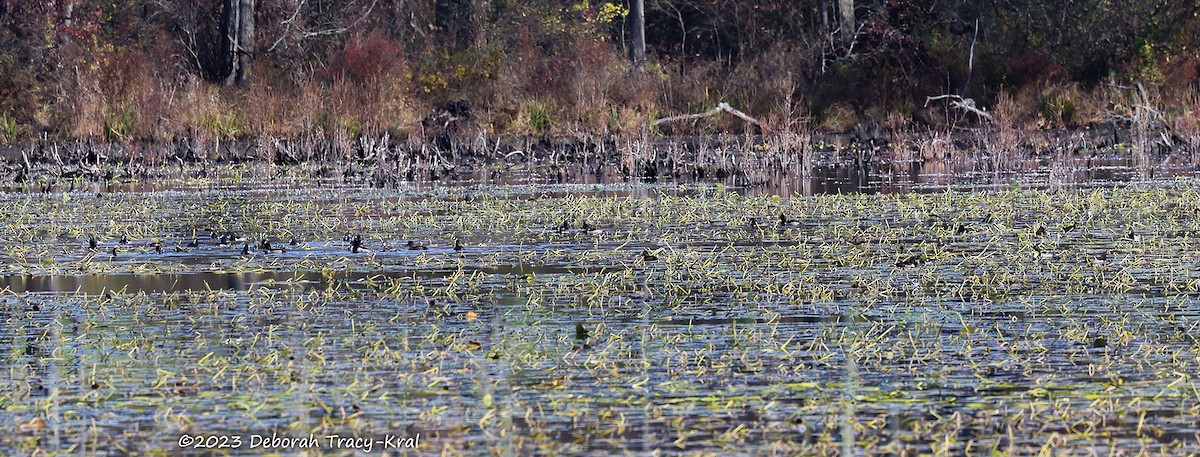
605,319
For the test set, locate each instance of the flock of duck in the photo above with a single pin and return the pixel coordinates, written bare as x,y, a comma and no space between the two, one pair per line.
355,245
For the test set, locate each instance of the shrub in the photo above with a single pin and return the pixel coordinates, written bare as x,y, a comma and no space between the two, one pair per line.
539,117
368,60
9,130
1057,107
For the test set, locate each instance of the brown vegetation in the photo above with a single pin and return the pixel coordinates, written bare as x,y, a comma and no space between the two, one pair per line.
455,73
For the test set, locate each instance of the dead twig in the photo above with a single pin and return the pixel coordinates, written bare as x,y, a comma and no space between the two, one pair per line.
965,104
720,107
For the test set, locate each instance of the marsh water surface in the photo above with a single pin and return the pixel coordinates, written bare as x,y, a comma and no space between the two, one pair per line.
607,317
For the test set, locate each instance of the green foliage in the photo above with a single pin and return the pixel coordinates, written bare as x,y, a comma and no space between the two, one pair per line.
610,13
1059,108
119,124
8,129
225,125
539,117
351,125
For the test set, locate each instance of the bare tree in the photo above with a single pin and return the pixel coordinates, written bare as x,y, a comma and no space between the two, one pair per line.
638,51
846,10
238,39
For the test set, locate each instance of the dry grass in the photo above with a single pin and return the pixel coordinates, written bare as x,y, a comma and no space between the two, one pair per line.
938,147
1186,121
1004,140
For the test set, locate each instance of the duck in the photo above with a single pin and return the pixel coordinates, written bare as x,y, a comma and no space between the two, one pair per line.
114,253
92,243
1041,254
245,248
458,245
416,247
157,248
590,229
356,244
910,261
268,248
647,256
784,221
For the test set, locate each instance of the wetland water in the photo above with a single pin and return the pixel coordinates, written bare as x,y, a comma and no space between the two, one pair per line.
697,319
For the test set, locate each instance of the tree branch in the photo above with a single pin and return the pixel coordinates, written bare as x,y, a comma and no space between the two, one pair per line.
720,107
965,104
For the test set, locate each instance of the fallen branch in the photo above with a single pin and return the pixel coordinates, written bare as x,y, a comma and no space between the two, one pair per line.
965,104
720,107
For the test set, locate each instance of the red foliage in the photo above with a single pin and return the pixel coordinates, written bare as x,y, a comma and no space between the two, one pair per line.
367,60
1031,68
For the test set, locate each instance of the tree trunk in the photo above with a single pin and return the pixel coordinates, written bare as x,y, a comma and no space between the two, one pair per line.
638,51
457,19
846,10
238,28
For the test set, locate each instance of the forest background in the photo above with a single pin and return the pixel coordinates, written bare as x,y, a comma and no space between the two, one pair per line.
124,71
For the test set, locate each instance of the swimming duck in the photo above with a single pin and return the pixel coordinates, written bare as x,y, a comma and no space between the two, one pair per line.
910,261
356,244
245,248
416,247
784,221
268,248
458,245
647,256
587,227
92,243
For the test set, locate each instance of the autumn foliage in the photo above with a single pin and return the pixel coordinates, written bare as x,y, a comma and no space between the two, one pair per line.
143,70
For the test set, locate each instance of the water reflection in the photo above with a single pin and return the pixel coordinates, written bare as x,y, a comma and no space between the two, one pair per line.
964,173
248,280
153,283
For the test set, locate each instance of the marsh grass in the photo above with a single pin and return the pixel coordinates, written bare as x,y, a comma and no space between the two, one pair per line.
946,323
